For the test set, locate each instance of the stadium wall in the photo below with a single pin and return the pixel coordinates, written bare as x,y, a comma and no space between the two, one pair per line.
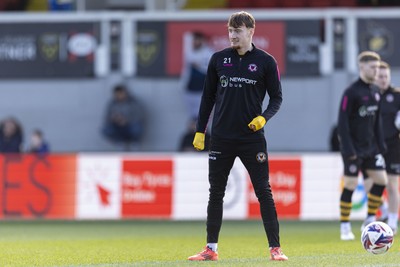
164,186
70,111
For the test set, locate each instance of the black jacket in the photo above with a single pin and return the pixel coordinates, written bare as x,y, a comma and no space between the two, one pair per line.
360,125
236,85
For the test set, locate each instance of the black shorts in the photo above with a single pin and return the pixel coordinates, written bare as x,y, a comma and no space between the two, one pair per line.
392,156
353,167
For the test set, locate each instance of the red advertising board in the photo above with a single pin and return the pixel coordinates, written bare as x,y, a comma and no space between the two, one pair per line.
147,188
269,36
38,187
285,180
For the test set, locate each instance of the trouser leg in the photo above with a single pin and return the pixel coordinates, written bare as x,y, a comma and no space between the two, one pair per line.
220,163
255,158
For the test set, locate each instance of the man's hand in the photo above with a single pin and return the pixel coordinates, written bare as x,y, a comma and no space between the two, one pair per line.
257,123
198,141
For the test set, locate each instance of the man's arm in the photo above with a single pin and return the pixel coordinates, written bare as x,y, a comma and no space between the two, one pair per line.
347,147
208,97
274,89
380,138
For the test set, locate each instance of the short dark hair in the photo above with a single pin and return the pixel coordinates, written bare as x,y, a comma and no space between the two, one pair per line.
241,18
119,88
366,56
38,133
198,35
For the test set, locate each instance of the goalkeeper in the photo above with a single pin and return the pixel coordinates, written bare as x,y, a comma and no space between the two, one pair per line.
238,79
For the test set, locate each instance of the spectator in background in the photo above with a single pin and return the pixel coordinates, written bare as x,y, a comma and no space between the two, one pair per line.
11,136
186,144
38,145
124,120
194,71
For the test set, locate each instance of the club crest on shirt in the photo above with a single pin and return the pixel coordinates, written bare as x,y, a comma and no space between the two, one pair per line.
377,97
261,157
353,168
252,67
224,81
389,98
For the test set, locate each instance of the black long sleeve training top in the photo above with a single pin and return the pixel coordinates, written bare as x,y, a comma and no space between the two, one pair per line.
360,125
236,85
390,105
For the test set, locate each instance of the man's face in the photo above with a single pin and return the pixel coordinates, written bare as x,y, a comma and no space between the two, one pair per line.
197,42
120,95
383,79
240,37
369,70
9,128
36,140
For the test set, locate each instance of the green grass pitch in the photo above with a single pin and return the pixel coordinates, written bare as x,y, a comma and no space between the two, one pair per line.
169,243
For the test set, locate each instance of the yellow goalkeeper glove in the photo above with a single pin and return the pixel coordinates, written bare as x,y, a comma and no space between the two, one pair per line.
198,141
257,123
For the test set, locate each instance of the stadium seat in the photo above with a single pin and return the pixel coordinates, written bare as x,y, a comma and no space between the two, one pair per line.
346,3
320,3
293,3
239,3
266,3
204,4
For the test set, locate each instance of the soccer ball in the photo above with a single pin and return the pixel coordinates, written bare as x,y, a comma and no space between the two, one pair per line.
377,237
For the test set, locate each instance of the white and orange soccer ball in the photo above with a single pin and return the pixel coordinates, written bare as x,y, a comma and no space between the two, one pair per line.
377,237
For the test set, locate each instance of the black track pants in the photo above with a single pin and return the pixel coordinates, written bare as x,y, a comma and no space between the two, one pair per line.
255,158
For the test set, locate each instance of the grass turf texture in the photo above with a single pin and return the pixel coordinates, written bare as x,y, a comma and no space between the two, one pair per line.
166,243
